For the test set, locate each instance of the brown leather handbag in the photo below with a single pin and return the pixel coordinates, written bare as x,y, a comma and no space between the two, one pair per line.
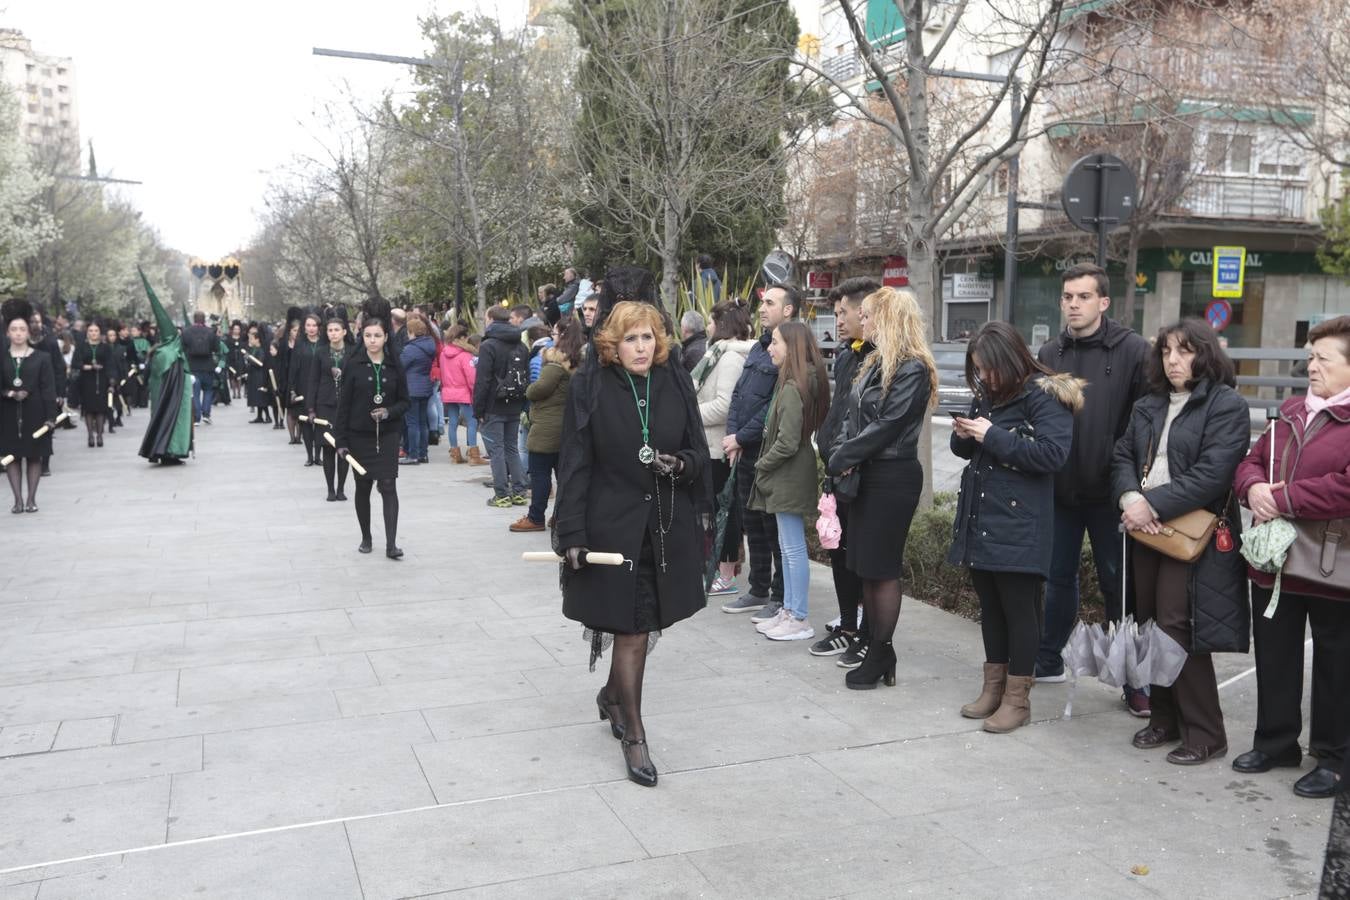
1183,538
1321,552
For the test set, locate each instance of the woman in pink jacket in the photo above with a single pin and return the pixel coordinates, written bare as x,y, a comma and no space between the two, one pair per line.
457,378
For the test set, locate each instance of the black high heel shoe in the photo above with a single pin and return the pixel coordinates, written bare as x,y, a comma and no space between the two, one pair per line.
879,665
18,508
31,507
366,546
610,712
393,552
644,774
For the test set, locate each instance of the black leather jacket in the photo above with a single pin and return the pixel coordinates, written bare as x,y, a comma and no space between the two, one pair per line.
883,426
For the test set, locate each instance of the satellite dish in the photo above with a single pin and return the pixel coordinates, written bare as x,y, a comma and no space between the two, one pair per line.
779,268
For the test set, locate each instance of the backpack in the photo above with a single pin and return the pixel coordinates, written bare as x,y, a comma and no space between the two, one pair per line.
199,341
516,378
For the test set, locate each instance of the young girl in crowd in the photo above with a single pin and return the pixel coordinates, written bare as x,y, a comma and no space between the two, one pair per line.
786,484
1017,435
457,380
89,368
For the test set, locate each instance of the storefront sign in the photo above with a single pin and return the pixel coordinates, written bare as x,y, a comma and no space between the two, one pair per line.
820,281
966,286
1230,269
895,272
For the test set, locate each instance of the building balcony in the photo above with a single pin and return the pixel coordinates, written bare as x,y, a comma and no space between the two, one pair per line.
1239,197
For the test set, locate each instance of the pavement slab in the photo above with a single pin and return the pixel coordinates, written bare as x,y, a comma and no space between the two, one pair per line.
225,711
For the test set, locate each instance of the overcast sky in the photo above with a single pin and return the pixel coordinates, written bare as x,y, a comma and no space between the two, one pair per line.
201,100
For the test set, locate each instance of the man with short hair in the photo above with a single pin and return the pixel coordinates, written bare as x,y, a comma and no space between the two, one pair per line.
523,317
199,343
589,306
693,339
1113,361
498,402
571,288
848,639
745,434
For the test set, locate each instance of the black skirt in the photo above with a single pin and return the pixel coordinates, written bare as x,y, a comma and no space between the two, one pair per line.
379,466
879,519
22,444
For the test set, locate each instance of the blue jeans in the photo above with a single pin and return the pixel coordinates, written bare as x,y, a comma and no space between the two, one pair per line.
796,566
1101,523
435,417
203,392
415,428
524,454
453,413
500,436
542,468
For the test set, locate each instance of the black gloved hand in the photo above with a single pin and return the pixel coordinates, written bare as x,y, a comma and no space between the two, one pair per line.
667,464
576,557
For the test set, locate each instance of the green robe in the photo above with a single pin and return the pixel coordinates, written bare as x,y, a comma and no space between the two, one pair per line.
169,435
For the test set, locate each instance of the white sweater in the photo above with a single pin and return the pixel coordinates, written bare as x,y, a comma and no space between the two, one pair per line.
714,398
1159,472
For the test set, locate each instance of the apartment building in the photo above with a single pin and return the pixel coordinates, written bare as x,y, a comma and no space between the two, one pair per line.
1210,120
45,89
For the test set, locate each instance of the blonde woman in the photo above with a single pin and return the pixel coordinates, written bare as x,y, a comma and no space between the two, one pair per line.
877,448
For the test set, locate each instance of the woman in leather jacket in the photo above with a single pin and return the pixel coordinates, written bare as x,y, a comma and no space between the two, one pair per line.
877,448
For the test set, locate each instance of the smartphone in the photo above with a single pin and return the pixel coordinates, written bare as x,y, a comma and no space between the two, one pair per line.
954,414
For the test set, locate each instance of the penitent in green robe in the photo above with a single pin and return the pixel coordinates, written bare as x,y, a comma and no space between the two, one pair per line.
168,438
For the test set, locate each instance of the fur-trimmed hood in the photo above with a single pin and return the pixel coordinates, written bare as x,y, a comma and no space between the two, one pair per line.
1065,388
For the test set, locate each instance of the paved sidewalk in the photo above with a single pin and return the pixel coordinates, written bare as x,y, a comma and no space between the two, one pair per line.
240,705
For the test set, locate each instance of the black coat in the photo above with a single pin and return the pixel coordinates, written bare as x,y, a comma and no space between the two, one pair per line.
750,398
1113,362
38,407
607,499
1208,439
883,425
846,362
1005,514
326,386
692,350
306,365
89,388
356,397
501,342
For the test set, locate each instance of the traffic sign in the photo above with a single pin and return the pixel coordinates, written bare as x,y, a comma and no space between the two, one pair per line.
1099,195
1219,313
1230,268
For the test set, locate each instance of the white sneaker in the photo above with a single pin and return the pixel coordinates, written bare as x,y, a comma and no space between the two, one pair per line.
763,627
790,628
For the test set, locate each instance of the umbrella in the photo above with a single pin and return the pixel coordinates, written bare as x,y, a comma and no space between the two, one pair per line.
827,524
725,501
1158,657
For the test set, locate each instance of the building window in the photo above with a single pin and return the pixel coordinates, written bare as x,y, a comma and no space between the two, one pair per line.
33,108
61,89
61,70
998,182
1228,154
46,92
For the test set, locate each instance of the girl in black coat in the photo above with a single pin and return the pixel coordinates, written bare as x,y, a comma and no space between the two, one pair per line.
1017,436
303,382
372,399
257,389
89,368
1183,444
27,402
332,358
633,479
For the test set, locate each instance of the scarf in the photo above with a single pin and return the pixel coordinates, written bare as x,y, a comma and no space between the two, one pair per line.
1313,404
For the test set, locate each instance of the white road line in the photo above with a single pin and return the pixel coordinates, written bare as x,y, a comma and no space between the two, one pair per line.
1244,674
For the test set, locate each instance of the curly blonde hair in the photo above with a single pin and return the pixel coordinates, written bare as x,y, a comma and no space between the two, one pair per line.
898,334
623,318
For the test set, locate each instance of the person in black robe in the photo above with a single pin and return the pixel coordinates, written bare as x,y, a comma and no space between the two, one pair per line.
90,367
303,381
634,478
257,389
118,368
332,358
27,403
42,338
279,365
372,399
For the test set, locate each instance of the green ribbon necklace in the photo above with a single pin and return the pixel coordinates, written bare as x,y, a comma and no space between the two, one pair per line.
644,410
379,383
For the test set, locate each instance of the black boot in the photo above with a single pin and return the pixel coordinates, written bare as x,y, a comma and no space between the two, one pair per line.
879,665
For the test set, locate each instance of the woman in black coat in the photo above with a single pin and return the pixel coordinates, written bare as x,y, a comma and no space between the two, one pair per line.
633,479
1017,436
89,367
279,366
257,389
303,381
1178,454
27,402
372,399
332,357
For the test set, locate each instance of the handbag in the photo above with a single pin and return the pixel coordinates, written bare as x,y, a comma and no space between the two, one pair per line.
1184,537
846,487
1320,552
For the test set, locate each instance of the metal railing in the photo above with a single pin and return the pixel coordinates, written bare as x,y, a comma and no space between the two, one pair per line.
1237,196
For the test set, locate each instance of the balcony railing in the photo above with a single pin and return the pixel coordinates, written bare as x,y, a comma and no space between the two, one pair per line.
1238,197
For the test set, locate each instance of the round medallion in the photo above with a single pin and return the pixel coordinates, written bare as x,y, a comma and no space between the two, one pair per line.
646,455
379,398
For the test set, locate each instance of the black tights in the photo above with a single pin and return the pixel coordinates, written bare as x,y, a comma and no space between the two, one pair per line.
93,423
307,435
34,467
292,424
332,465
881,607
1011,613
848,587
389,497
627,662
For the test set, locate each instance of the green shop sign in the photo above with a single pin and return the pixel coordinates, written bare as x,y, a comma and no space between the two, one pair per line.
1175,259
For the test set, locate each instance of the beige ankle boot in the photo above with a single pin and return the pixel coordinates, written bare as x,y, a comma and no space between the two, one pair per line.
456,456
1015,710
995,675
476,458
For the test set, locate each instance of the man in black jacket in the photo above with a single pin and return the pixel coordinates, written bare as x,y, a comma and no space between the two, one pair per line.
199,343
498,400
850,636
745,433
1113,360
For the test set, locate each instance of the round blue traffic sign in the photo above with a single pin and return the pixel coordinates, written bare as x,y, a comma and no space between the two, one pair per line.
1219,312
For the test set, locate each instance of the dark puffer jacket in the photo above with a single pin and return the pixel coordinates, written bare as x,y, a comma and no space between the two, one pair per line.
1208,439
750,399
1113,363
1005,515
